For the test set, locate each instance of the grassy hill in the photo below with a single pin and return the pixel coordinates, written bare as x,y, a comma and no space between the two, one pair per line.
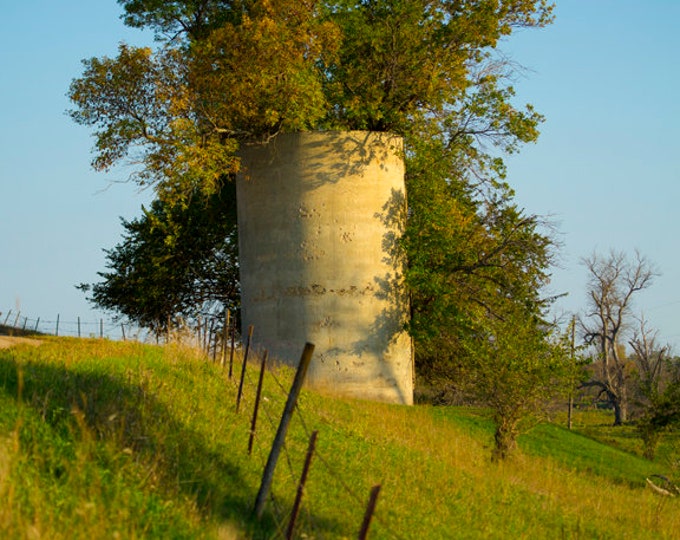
101,439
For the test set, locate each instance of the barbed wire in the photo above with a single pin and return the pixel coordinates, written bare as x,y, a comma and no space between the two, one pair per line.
289,449
80,327
209,342
206,331
359,499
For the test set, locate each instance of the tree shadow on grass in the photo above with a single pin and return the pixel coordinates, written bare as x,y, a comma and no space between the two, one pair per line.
127,416
114,410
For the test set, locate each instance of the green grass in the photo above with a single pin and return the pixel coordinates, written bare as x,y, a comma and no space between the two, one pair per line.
119,440
598,425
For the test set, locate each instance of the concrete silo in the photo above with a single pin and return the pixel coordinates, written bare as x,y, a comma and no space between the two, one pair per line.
319,214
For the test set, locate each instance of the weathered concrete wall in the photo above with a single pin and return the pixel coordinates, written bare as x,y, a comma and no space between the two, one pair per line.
318,216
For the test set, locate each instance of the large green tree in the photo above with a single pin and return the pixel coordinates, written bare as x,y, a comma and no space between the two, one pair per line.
228,72
244,70
177,264
472,254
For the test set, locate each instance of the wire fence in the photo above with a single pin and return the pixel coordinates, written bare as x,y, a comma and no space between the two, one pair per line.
294,451
206,333
219,340
18,323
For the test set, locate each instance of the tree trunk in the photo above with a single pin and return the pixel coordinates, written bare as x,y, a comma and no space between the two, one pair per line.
505,439
570,411
650,440
620,411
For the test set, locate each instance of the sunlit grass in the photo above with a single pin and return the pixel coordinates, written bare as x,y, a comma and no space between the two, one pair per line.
102,440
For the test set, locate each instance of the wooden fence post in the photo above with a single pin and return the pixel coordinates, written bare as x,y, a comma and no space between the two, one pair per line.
280,437
368,515
215,343
209,337
56,332
572,352
7,318
233,347
36,325
301,485
78,326
253,423
122,329
225,337
101,328
16,320
243,367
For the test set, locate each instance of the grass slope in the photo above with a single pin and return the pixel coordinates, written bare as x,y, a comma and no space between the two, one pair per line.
120,440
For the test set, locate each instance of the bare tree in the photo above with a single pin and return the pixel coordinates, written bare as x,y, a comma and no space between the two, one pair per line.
613,282
657,380
650,359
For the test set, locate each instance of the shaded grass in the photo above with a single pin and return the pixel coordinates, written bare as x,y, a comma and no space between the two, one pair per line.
116,435
102,439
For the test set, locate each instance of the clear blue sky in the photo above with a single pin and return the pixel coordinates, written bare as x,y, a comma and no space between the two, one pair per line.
606,169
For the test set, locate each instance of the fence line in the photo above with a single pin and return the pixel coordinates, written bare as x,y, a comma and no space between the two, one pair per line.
17,322
293,452
208,334
213,338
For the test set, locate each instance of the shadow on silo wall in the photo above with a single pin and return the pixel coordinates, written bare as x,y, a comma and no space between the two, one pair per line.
320,214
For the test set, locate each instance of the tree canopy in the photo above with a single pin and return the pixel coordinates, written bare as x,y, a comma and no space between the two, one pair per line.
177,263
227,72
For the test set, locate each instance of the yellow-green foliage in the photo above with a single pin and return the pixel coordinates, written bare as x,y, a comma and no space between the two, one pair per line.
105,440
